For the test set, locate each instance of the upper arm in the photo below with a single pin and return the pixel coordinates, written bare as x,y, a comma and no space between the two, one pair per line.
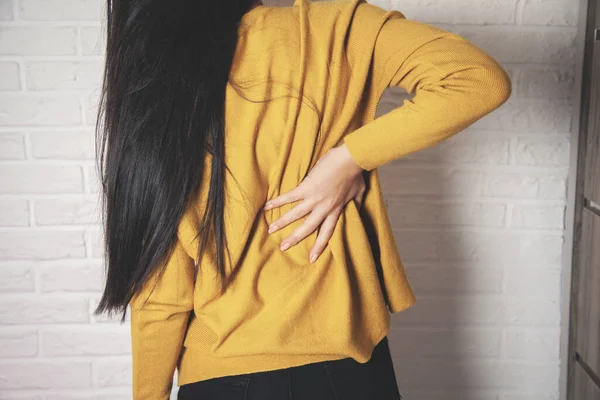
455,84
172,291
412,55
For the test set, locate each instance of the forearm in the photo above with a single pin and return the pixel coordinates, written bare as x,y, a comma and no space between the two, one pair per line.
157,340
159,320
456,84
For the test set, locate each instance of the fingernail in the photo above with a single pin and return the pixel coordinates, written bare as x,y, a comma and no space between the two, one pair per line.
285,246
268,206
313,258
272,228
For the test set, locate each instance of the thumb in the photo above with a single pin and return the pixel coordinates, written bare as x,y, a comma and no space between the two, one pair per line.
359,200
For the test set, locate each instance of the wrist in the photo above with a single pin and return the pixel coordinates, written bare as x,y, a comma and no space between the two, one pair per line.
348,160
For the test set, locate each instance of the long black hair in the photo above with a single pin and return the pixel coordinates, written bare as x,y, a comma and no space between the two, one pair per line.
161,113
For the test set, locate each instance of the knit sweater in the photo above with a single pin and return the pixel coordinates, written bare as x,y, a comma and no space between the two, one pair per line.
309,78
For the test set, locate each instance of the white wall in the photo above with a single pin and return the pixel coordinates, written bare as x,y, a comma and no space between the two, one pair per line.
479,218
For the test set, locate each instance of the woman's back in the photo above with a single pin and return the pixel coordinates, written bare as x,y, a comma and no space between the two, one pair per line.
305,79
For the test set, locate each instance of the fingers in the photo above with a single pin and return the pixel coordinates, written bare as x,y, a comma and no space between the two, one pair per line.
309,226
325,233
288,197
324,200
297,212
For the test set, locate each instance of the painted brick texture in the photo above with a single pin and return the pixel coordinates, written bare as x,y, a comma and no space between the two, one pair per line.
478,218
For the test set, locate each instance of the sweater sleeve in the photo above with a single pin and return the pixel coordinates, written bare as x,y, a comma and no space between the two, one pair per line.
159,318
454,82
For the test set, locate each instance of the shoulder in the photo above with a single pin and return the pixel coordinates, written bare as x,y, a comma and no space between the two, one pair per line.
349,10
350,19
338,19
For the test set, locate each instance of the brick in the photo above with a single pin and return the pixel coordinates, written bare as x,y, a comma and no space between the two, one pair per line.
529,115
523,45
538,217
488,247
459,12
92,177
20,310
547,81
93,41
105,318
12,146
405,213
39,178
101,394
546,151
550,12
46,110
86,342
416,246
528,396
73,145
113,373
16,278
465,149
67,212
72,278
397,179
470,146
477,218
41,245
542,282
10,74
18,343
443,342
522,185
37,41
97,243
90,107
14,213
446,280
46,375
534,345
63,75
58,10
477,374
483,310
391,98
6,10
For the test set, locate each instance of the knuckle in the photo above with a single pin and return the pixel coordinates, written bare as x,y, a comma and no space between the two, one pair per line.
295,237
329,203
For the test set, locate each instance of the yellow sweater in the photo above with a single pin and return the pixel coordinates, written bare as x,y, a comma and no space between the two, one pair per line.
325,65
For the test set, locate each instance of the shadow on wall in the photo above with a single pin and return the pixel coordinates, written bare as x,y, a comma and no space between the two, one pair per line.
478,220
442,231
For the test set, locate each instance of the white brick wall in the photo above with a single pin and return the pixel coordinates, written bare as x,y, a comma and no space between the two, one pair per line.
478,219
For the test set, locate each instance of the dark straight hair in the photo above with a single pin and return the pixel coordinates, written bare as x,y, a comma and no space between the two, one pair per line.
161,113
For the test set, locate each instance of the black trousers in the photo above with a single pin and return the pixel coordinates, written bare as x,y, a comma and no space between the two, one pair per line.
344,379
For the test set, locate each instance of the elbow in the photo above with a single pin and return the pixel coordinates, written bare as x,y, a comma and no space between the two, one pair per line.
498,86
488,78
503,85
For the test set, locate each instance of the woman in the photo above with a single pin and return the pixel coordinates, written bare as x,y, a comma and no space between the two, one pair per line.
233,128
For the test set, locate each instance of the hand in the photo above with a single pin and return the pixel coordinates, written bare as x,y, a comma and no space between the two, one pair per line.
335,180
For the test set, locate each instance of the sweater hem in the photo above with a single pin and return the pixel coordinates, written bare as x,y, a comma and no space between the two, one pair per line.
247,364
